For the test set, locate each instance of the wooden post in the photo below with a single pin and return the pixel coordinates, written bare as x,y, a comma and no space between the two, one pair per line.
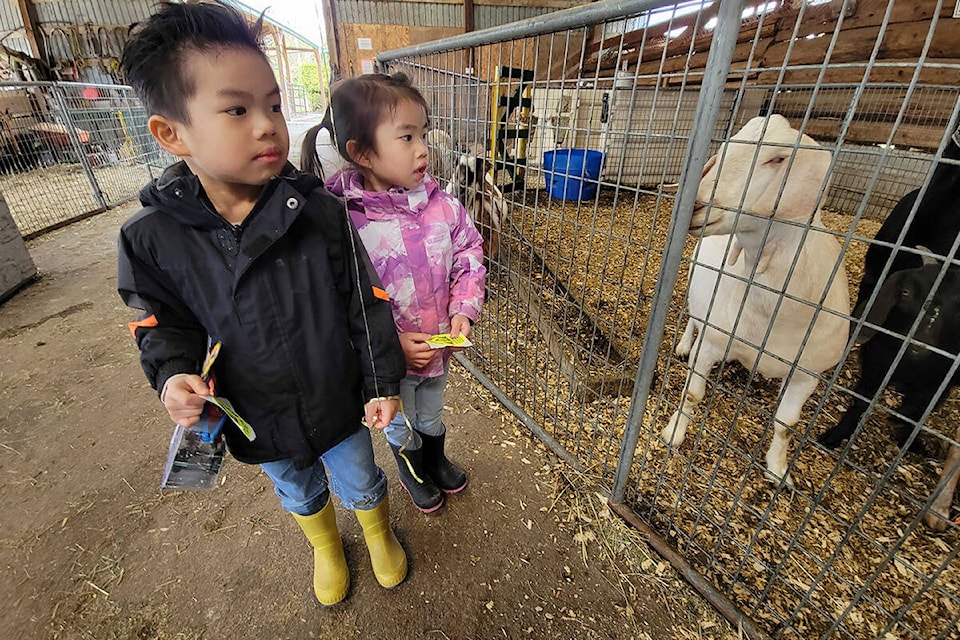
333,42
468,26
28,13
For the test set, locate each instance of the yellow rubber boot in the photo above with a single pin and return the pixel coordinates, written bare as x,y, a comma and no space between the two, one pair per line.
331,578
386,555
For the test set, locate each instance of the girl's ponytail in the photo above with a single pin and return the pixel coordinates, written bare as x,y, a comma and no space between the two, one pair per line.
309,157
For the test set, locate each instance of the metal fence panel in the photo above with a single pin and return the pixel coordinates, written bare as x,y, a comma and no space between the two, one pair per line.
582,284
71,149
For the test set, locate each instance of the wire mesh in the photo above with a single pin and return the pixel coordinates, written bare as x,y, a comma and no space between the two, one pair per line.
581,272
71,149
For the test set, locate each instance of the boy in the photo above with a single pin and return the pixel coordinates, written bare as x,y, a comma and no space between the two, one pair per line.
235,246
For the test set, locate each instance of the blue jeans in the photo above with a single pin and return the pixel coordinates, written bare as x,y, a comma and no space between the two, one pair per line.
423,403
355,478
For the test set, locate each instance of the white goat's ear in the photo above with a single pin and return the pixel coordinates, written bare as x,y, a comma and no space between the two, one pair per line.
670,189
764,260
734,251
712,160
806,175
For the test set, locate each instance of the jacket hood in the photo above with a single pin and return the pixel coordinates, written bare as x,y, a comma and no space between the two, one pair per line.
348,184
178,191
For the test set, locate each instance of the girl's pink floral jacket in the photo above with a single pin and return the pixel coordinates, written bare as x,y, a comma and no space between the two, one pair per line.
426,250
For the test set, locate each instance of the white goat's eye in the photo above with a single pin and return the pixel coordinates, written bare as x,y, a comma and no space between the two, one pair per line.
776,160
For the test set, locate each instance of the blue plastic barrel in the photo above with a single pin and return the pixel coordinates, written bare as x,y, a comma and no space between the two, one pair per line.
572,174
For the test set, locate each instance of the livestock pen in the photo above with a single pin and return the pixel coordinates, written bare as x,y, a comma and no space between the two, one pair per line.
588,286
69,150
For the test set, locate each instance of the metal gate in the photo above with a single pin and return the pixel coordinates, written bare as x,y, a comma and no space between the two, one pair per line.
588,287
69,150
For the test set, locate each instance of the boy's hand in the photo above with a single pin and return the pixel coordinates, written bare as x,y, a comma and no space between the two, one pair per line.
182,398
380,411
416,350
460,326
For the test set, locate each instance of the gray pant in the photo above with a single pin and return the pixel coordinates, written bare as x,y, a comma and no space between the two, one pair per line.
423,406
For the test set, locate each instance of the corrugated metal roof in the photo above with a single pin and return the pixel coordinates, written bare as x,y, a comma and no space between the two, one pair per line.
9,16
486,16
429,14
420,14
66,13
100,12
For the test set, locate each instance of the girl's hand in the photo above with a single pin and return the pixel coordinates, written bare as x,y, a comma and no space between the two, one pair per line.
460,325
416,350
380,411
182,398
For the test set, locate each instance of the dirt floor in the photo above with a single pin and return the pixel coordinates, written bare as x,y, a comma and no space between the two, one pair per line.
90,548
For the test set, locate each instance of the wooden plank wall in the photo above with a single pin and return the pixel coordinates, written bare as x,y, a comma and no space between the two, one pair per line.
383,37
790,47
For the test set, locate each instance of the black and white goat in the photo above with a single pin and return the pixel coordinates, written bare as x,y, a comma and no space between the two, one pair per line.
473,184
442,156
759,273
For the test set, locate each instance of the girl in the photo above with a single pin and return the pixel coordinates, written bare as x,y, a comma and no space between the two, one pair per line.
427,253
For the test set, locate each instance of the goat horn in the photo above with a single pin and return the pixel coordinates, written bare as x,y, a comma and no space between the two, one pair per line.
927,260
670,188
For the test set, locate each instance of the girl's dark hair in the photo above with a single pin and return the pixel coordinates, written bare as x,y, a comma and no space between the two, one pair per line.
309,158
359,105
153,58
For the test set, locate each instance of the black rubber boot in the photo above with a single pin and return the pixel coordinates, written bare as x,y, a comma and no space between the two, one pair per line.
448,477
424,493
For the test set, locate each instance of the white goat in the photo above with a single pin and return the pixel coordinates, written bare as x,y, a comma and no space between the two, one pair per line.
772,240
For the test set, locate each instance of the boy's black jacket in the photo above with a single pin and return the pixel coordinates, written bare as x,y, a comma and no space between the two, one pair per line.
281,294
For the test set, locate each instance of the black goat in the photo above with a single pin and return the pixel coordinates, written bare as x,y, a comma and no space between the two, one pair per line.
900,300
934,226
920,372
25,151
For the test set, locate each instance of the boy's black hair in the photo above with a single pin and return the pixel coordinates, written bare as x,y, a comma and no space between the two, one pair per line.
153,58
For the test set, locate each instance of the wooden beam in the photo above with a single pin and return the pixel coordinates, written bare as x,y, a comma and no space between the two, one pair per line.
333,40
926,107
28,15
468,16
546,4
697,62
283,53
902,72
868,13
680,47
468,26
907,135
902,40
903,37
651,34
